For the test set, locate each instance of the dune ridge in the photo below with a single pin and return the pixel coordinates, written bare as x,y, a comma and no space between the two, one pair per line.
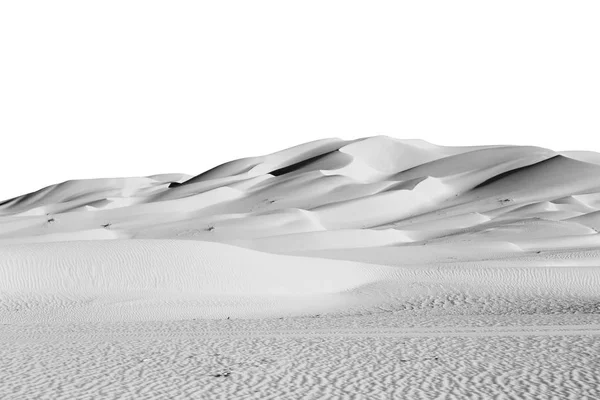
320,219
329,185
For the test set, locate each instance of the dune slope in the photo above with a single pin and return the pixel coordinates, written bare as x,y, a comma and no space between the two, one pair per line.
325,226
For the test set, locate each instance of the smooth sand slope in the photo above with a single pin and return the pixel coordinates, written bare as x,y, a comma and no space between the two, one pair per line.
371,268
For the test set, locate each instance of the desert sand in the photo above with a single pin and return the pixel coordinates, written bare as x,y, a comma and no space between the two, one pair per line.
375,268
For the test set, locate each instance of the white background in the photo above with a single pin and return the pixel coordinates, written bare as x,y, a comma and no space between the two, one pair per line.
121,88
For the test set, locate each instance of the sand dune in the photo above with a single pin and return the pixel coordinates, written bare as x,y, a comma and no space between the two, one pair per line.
376,200
358,245
372,183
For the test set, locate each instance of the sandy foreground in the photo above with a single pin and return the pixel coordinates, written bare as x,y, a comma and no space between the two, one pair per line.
368,269
387,356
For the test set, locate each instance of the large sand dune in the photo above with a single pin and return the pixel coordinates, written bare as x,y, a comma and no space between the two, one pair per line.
318,219
376,232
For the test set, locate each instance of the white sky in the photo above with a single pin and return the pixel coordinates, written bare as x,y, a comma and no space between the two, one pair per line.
120,88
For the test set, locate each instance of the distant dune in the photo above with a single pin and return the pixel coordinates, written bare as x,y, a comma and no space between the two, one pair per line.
336,216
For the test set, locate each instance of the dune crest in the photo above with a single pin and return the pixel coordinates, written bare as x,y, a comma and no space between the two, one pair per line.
371,183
